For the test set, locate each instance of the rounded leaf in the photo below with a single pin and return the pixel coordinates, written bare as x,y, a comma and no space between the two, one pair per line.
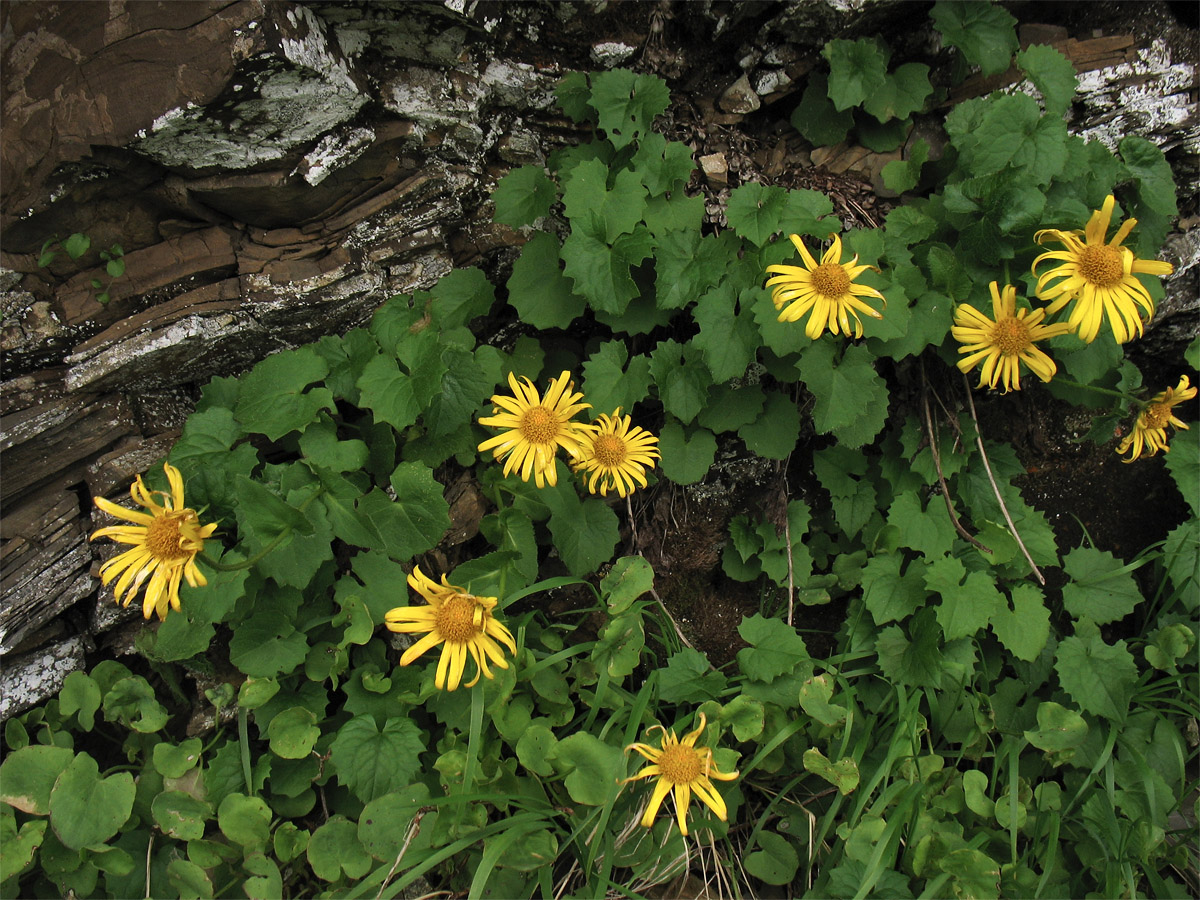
86,809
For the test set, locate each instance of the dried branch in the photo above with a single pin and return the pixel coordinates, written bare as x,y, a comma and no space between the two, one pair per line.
996,488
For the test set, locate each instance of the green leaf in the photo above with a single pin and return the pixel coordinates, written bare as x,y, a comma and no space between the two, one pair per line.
662,166
27,776
180,815
776,862
246,821
1099,677
76,245
814,700
773,435
984,34
686,458
601,272
619,645
882,137
901,175
756,211
372,763
745,716
334,848
395,397
1181,559
843,774
264,515
320,444
857,70
1183,462
460,296
688,677
917,661
728,340
1152,173
848,392
817,119
534,747
675,213
968,607
523,196
132,702
273,399
1025,628
629,578
1052,74
585,532
592,767
80,696
728,408
775,648
86,809
902,93
686,265
586,198
539,291
267,644
928,531
627,103
972,872
609,384
173,761
1060,731
293,733
572,93
1101,587
682,386
888,595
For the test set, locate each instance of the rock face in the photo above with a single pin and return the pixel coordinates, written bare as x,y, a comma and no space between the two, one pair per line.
273,171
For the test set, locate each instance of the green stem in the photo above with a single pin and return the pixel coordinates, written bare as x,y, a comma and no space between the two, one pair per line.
244,741
1099,390
279,539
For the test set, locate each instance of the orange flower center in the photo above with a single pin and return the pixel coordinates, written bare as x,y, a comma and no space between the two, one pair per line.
539,425
1157,415
1010,335
680,764
165,538
830,279
609,450
459,618
1101,265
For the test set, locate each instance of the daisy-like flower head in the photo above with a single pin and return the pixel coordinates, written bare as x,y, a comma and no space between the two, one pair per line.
616,456
462,621
1150,430
684,767
827,291
536,427
165,541
1004,344
1099,277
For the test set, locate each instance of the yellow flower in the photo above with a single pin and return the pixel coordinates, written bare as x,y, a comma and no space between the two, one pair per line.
1002,345
1150,429
537,427
1099,277
827,291
463,621
616,456
686,768
166,540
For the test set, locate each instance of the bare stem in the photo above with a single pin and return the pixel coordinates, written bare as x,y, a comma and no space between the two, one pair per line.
996,488
413,828
937,461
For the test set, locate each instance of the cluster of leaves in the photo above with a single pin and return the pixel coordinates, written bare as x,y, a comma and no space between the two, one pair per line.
76,245
974,734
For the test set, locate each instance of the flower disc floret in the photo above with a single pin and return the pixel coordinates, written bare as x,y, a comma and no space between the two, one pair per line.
616,455
461,621
1149,433
535,427
1006,342
166,540
682,769
825,292
1099,277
